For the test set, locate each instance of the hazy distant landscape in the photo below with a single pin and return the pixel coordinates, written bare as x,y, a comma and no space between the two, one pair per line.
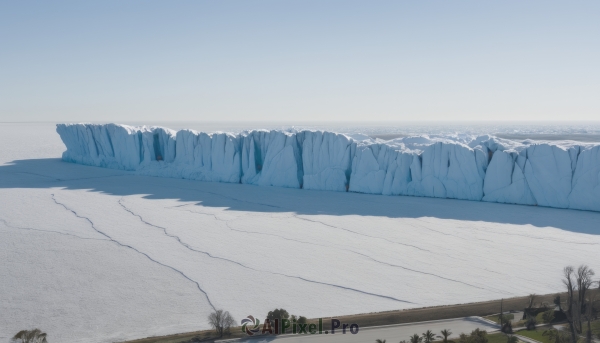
576,130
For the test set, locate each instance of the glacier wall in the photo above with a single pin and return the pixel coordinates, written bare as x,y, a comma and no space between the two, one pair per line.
562,174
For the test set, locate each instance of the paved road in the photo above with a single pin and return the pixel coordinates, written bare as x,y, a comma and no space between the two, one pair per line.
391,333
518,316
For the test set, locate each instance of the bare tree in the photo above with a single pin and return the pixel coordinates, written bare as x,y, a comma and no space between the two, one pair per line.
589,313
30,336
578,284
584,283
221,321
570,284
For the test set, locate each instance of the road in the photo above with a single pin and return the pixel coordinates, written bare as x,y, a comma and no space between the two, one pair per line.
391,333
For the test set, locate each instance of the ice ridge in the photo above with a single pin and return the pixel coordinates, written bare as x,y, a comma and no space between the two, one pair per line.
560,174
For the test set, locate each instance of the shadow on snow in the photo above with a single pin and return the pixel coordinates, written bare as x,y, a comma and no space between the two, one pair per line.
54,173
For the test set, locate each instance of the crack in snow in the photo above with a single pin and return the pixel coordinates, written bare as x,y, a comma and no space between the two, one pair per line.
340,248
319,222
254,269
449,234
358,233
377,237
50,231
132,248
425,273
177,238
532,237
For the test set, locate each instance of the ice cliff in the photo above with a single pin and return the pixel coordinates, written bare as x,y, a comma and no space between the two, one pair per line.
563,174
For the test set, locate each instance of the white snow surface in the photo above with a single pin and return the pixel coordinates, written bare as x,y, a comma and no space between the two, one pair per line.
560,174
94,254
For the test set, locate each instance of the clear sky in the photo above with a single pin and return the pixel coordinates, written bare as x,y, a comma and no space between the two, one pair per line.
299,60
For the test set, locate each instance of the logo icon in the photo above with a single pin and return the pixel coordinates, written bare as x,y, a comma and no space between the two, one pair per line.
250,321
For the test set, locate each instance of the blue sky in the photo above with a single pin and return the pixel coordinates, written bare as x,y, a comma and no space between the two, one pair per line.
299,60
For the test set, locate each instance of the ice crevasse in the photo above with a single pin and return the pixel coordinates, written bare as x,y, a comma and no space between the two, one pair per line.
563,174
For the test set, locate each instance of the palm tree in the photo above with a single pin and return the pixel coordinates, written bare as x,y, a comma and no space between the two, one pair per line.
415,338
512,339
380,341
445,334
428,336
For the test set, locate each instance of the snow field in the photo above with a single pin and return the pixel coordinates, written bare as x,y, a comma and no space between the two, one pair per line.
102,255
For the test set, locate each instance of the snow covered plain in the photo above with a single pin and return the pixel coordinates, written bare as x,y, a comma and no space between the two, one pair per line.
99,255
